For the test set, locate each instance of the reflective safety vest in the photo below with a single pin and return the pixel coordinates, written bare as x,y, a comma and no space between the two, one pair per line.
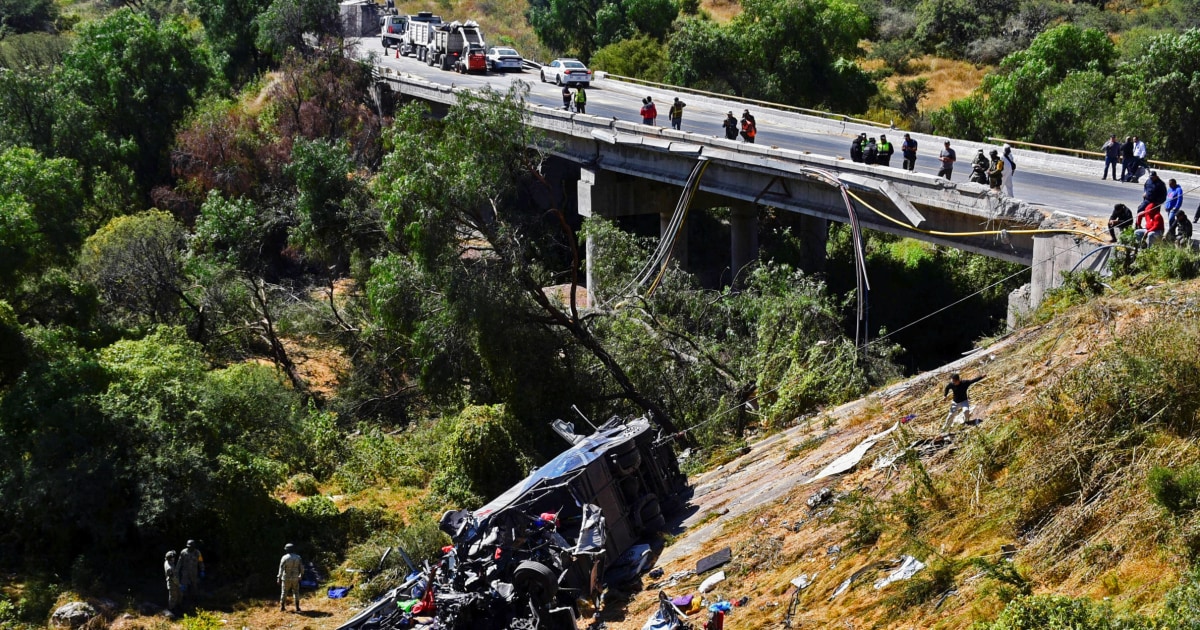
580,96
885,147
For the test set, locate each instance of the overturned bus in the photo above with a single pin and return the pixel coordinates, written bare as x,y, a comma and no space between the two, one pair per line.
538,556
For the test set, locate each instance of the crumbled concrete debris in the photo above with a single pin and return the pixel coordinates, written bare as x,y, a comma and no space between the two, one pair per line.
820,497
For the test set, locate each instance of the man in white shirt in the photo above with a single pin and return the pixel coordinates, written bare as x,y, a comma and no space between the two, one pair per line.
1139,154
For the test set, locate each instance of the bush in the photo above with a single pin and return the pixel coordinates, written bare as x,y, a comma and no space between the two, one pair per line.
1169,263
202,620
483,455
303,484
1056,612
1176,491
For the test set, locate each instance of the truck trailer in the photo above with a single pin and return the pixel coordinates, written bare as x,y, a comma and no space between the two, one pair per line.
459,47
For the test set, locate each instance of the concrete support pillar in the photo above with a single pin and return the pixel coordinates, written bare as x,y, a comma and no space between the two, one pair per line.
680,252
1056,253
743,239
593,198
814,241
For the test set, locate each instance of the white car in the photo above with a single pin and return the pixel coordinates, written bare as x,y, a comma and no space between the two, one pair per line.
500,59
567,72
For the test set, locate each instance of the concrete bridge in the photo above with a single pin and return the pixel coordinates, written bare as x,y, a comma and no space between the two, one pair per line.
626,168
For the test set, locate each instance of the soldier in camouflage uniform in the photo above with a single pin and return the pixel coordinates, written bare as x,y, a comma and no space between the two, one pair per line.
289,576
191,569
171,572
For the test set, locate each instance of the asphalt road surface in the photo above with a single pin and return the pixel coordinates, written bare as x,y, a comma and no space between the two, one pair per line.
1067,194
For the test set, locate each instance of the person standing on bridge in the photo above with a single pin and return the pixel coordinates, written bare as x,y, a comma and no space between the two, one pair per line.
1139,158
1154,193
886,150
1011,165
856,147
947,157
580,101
908,149
996,171
676,113
649,111
1127,159
566,95
731,128
1112,155
871,155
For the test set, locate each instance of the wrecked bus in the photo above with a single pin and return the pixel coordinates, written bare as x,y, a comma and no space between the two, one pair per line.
537,556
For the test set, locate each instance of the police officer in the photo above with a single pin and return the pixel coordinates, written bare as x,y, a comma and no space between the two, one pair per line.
856,147
191,569
580,101
886,150
288,577
871,155
676,113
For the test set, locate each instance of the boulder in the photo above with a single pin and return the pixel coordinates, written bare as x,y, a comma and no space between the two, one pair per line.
73,615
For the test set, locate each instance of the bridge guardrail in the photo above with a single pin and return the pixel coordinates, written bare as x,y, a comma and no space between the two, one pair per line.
752,101
1085,152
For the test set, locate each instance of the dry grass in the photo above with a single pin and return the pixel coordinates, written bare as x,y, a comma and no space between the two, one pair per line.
1108,546
949,79
721,11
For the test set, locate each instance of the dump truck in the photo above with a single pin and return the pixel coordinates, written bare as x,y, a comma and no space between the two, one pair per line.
418,39
538,555
459,47
394,28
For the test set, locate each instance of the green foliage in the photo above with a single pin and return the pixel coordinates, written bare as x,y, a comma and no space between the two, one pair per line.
284,22
332,202
202,620
304,485
482,456
232,28
121,89
642,57
135,261
229,230
949,26
580,27
1168,263
798,53
20,16
52,189
374,458
1076,288
1176,491
864,517
421,540
1171,65
1057,612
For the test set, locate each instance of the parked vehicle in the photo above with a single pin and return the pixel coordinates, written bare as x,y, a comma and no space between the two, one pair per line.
419,38
500,59
566,72
393,28
458,46
527,558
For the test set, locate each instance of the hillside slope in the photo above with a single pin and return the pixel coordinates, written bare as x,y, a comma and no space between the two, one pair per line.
1053,477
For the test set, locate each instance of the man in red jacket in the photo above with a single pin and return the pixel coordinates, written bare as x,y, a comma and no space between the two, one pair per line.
1150,221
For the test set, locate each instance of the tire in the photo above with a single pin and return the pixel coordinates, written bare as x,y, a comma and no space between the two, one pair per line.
542,75
627,462
535,580
558,80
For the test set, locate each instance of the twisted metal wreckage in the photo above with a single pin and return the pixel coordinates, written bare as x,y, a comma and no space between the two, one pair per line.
512,565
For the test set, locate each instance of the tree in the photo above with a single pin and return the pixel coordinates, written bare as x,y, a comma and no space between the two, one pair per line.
136,263
331,202
795,52
641,57
21,16
284,23
54,193
484,251
1169,78
232,28
27,63
122,88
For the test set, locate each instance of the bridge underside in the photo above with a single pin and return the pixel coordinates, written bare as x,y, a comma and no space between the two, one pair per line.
638,181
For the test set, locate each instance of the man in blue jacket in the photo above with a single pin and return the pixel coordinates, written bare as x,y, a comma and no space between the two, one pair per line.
1154,191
